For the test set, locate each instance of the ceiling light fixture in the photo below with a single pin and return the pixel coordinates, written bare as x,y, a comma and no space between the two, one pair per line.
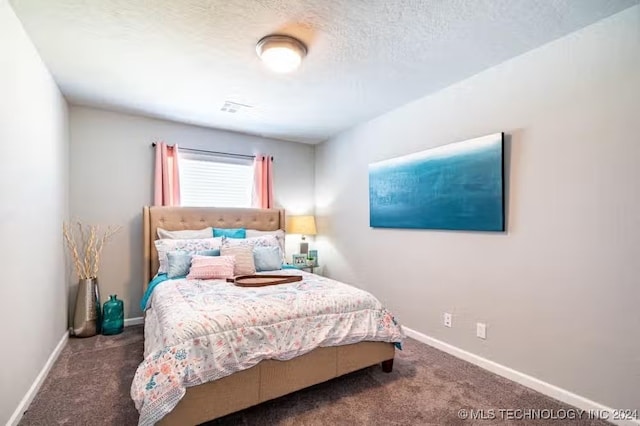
281,53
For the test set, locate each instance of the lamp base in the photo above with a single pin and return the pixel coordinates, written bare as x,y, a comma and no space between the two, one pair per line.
304,247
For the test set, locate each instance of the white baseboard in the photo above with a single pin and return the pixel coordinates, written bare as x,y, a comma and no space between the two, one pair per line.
538,385
133,321
37,383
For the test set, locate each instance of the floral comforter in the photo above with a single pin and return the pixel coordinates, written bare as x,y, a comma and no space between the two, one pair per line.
199,331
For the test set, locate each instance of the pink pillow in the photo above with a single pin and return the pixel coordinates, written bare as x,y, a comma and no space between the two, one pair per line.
211,267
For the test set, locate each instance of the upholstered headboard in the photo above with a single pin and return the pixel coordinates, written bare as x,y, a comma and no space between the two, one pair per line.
179,218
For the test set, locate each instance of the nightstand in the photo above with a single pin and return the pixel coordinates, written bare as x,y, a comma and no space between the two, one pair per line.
313,269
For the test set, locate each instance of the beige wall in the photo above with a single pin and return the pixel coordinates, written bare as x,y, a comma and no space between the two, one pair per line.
33,190
111,179
560,290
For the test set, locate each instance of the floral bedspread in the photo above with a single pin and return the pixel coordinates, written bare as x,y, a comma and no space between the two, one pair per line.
199,331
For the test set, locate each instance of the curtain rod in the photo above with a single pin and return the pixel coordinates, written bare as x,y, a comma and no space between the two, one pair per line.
226,154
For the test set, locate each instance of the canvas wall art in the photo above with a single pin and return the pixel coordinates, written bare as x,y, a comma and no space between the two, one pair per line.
458,186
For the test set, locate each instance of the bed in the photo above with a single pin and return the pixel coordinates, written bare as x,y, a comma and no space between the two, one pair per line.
269,378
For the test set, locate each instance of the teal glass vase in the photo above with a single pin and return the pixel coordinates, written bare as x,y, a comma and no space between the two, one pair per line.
113,316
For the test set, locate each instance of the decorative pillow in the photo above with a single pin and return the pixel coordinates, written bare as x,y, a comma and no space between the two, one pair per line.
230,232
267,258
264,241
164,246
279,234
179,262
211,267
244,259
189,234
212,252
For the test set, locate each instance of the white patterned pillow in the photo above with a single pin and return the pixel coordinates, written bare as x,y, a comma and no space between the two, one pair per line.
263,241
189,246
279,234
243,256
210,267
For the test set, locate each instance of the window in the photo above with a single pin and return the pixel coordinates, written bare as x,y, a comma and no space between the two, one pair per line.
214,181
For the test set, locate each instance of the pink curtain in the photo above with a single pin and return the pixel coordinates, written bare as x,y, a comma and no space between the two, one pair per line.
263,182
167,178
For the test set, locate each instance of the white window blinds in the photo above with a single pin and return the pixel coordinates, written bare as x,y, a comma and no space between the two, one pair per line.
213,181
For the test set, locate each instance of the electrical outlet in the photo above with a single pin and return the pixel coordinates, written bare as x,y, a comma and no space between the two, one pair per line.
448,319
481,330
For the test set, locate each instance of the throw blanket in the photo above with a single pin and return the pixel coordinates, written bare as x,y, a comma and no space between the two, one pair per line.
199,331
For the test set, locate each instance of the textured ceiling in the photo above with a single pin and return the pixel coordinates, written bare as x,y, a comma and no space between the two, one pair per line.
181,60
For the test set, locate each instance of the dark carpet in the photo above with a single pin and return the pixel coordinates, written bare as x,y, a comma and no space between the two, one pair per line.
89,385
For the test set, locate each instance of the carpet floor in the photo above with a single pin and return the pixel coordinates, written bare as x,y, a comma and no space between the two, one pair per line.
89,385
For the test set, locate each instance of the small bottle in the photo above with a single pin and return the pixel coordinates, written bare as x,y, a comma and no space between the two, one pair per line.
113,316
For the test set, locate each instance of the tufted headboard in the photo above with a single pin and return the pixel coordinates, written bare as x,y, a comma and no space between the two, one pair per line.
179,218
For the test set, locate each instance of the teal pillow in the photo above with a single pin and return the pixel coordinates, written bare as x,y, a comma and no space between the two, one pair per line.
179,262
230,232
212,252
267,258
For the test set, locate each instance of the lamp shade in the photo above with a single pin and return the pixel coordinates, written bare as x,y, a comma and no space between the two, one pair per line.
305,225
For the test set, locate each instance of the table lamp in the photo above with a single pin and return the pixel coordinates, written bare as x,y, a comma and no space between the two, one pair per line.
303,225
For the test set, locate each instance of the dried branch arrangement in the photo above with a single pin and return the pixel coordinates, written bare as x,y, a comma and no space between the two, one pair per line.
85,243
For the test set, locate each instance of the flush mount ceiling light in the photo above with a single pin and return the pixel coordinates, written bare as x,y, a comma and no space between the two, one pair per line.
281,53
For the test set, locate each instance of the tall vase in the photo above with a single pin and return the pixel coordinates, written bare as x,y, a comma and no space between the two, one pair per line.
86,318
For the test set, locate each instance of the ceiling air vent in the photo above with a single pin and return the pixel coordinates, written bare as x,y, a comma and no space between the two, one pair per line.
233,107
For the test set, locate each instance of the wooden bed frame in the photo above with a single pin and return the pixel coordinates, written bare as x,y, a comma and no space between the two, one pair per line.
270,378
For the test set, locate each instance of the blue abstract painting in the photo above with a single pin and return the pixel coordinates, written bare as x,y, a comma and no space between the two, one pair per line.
458,186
